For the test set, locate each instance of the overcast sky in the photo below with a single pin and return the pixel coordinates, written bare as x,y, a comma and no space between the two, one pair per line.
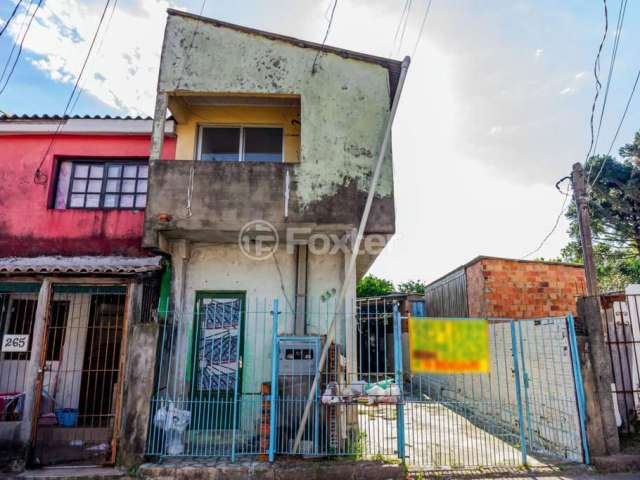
495,108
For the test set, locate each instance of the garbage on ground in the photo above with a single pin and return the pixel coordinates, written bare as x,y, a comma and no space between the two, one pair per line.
98,448
362,393
173,421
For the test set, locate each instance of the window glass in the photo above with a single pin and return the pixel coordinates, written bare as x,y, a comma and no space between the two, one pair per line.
107,185
220,144
263,144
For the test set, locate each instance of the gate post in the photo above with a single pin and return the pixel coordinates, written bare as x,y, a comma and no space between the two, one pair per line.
579,386
597,375
516,374
274,381
397,360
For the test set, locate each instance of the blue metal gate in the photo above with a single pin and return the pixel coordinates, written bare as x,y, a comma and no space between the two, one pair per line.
369,404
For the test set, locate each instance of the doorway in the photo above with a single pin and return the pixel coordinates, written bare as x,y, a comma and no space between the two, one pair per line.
81,377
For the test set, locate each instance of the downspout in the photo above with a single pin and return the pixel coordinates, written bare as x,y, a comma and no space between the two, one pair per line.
354,253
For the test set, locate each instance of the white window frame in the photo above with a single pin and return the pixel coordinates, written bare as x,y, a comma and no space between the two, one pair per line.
242,128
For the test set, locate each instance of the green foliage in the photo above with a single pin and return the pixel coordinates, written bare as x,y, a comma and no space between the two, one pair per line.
371,286
614,206
412,286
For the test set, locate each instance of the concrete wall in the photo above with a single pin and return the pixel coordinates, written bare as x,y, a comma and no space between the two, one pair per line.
226,268
345,104
64,232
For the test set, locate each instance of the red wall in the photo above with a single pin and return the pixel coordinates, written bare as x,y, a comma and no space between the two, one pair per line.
28,227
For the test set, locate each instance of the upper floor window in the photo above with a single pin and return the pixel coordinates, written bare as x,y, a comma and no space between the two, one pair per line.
112,184
248,144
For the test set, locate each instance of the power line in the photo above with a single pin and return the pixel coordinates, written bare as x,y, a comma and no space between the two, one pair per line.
424,21
404,28
13,67
15,9
596,70
39,177
104,35
15,44
401,21
614,53
557,222
324,40
615,136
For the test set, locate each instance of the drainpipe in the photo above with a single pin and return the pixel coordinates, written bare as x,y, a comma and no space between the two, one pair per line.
302,265
354,253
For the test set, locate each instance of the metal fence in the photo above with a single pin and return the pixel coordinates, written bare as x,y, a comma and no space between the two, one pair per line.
18,303
622,336
233,380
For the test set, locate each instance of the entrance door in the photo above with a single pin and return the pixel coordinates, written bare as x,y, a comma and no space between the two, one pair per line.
81,375
216,360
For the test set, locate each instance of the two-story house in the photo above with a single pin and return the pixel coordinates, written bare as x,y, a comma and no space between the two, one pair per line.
277,140
76,286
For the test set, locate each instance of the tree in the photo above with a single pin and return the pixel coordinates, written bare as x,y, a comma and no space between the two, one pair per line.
614,207
412,286
371,286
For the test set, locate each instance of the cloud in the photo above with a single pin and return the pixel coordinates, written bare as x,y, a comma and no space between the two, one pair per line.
123,67
538,53
568,91
579,75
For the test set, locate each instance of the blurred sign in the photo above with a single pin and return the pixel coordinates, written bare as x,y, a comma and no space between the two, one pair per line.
448,345
15,343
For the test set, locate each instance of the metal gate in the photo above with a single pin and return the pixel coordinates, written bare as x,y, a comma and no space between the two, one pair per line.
368,405
622,336
80,382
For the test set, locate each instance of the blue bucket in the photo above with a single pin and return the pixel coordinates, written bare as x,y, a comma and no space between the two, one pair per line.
67,417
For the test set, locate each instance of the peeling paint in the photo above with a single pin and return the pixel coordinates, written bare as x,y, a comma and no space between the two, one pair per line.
345,105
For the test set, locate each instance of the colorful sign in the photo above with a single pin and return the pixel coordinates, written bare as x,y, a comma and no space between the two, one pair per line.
448,345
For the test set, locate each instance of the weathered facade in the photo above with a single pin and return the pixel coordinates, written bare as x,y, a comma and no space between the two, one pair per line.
505,288
76,287
277,140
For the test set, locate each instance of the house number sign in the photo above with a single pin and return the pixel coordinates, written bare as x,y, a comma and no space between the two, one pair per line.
15,343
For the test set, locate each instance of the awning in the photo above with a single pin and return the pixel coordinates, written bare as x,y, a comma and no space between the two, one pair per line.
82,264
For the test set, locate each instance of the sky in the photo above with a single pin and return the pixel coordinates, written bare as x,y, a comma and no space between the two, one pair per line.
495,107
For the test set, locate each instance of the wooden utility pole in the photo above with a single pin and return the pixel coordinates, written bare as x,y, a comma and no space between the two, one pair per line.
584,222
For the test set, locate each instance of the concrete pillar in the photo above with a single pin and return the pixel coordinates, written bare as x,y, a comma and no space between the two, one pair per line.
33,373
157,132
183,313
138,381
350,327
602,431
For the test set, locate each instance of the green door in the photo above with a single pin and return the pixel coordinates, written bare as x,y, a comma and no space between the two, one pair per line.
217,358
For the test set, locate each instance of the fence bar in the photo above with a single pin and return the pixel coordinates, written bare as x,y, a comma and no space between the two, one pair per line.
234,430
580,394
274,381
516,374
397,360
525,379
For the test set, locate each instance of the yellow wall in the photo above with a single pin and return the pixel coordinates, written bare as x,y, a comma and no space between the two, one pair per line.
276,116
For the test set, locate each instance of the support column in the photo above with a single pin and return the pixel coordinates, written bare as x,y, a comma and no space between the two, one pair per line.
302,265
183,316
157,132
350,320
138,380
597,374
34,374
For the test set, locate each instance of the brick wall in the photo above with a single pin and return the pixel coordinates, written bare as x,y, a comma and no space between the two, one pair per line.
522,289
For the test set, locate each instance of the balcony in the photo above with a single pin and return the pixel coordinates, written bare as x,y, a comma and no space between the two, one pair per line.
227,195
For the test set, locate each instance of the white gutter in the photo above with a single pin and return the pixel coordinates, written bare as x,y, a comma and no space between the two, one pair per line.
354,252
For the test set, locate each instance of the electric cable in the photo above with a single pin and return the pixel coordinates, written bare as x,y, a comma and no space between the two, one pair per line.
13,14
324,40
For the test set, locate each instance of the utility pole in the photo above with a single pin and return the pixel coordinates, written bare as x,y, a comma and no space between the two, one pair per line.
584,222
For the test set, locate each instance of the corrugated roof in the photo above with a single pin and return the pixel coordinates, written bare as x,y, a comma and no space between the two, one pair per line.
71,117
81,264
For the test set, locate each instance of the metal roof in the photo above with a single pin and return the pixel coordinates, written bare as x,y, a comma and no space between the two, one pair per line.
80,264
45,116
